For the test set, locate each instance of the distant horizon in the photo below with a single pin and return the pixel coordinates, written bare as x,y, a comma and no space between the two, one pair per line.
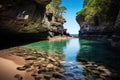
72,7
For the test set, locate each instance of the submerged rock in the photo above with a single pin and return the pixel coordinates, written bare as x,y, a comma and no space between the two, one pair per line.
43,67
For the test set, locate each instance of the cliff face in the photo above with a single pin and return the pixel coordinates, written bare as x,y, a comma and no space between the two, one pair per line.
98,16
23,16
28,17
100,19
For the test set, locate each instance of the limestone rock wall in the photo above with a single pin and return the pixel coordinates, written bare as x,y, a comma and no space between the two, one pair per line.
102,22
29,17
22,16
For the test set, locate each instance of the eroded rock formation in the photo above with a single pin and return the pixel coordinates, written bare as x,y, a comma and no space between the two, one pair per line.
98,17
28,17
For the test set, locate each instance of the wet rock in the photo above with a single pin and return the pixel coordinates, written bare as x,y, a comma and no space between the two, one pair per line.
37,63
102,77
27,65
61,70
62,62
41,59
58,75
80,77
34,74
42,69
53,79
29,69
30,58
88,65
70,74
47,76
95,72
18,76
99,79
51,59
100,67
90,62
107,72
21,68
39,77
50,66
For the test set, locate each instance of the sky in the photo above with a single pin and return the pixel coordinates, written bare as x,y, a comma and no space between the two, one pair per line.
72,6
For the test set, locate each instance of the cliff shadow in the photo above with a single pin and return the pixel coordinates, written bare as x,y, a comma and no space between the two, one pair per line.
8,40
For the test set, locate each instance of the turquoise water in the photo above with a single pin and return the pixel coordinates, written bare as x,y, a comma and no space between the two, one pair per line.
100,52
90,50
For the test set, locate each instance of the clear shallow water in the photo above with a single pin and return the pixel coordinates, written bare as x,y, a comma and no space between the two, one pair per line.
70,48
91,50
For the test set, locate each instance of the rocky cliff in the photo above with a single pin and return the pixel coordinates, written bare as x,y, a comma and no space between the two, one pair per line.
29,17
98,17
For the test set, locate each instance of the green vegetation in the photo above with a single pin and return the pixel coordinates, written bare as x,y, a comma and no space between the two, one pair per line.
56,7
95,7
104,10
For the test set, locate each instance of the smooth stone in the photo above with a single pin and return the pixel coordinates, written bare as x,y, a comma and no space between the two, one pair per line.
89,65
91,62
95,72
30,58
21,68
100,67
46,76
51,59
102,76
27,65
18,76
61,70
29,69
50,66
58,75
107,72
41,59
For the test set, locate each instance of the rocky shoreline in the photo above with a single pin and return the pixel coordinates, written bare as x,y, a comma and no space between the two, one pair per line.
46,66
98,71
43,66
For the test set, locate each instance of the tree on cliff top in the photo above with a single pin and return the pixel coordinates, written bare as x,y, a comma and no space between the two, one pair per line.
56,7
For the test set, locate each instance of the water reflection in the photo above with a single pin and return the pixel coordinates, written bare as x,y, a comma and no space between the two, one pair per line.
71,49
100,52
90,50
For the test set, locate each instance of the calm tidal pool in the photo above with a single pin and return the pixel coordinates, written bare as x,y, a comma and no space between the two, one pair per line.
90,50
